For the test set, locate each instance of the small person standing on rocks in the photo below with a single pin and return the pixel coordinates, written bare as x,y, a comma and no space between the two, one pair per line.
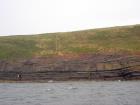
19,76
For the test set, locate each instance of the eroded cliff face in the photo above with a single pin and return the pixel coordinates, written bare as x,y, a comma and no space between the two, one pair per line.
77,63
66,67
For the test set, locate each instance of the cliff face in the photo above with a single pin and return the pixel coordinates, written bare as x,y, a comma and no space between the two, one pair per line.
115,48
60,63
63,68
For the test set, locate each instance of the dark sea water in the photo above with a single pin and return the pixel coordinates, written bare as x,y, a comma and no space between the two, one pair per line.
71,93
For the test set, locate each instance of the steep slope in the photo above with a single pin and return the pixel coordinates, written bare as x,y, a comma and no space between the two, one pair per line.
107,53
115,40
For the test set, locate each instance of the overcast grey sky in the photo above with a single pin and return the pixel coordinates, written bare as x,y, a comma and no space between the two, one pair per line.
43,16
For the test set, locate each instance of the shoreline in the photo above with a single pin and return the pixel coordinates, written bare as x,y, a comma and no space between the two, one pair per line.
61,81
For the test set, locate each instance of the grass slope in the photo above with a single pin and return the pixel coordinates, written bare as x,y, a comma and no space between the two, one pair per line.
112,40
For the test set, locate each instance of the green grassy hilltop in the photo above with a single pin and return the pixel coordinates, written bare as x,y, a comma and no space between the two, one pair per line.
125,39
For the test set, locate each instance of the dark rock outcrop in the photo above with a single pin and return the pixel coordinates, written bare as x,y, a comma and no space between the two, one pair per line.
61,68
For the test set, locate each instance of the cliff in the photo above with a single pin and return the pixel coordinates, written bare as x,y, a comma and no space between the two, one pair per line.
97,53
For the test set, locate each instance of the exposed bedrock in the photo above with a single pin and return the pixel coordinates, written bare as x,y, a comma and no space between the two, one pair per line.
63,68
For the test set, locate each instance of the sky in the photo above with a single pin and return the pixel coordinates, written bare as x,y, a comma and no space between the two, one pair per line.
18,17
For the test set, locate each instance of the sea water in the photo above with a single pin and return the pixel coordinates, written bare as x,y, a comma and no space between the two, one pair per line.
71,93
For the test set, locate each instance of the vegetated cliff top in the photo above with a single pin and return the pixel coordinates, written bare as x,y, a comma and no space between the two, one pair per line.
114,40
